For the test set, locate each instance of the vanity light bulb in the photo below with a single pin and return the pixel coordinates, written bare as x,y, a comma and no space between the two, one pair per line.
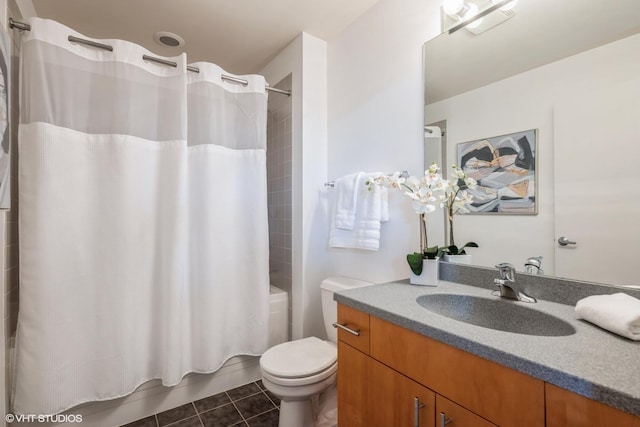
452,7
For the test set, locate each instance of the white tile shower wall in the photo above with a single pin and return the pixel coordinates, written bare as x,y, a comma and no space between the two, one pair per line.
279,186
9,218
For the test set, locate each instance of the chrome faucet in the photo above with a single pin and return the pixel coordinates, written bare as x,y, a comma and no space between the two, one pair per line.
532,266
507,284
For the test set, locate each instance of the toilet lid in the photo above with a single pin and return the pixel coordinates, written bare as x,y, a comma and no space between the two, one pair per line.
299,358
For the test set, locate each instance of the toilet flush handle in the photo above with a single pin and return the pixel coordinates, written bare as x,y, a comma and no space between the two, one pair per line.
344,327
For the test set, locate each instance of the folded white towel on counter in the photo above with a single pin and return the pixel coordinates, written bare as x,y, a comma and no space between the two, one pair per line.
618,313
346,194
372,208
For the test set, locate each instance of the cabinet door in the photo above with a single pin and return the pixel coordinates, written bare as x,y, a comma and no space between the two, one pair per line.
352,386
567,409
395,400
451,415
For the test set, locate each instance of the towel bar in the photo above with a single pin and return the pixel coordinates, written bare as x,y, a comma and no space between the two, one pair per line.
403,174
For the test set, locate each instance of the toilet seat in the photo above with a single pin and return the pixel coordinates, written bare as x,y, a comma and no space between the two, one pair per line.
299,362
300,381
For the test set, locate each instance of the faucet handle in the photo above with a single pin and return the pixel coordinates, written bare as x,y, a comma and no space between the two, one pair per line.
507,271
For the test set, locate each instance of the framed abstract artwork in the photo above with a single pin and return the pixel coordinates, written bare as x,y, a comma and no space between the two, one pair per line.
505,169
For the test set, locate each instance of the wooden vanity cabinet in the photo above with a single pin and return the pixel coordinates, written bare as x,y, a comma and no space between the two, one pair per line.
371,394
565,408
353,360
395,400
355,328
353,386
499,394
389,376
452,415
384,369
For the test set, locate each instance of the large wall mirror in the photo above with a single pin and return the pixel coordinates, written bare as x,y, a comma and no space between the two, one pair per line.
570,71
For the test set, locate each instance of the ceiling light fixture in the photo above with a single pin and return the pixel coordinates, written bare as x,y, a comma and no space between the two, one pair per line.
473,11
462,11
166,38
467,13
452,7
507,6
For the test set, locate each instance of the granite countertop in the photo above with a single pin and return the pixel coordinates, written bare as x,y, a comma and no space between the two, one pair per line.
592,362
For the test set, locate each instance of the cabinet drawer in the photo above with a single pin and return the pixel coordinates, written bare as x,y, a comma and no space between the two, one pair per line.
494,392
356,321
565,408
452,415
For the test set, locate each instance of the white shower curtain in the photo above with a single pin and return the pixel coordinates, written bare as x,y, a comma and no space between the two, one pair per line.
143,223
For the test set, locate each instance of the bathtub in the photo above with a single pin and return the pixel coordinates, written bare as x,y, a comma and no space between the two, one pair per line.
278,316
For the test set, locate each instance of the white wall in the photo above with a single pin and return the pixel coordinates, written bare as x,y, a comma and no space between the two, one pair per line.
357,105
522,102
306,59
376,119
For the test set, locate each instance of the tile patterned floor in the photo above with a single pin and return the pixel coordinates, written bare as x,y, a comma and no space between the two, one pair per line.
247,406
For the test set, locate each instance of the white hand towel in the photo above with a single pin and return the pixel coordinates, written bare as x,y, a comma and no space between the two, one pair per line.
618,313
370,211
346,193
384,207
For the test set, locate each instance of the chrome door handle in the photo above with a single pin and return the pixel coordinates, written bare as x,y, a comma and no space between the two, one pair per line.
563,241
416,411
344,327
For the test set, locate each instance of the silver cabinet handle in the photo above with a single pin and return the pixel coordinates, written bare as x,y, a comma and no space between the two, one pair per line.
444,420
563,241
344,327
416,411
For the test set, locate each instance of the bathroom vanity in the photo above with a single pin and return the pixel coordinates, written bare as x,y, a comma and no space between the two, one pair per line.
410,366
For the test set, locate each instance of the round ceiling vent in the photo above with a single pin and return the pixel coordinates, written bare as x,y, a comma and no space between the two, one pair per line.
166,38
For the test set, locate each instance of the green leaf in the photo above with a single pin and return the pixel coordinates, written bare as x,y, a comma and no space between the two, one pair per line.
443,250
431,253
415,262
467,245
449,250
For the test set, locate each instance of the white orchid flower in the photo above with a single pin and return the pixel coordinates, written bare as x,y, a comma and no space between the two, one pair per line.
423,208
426,192
471,183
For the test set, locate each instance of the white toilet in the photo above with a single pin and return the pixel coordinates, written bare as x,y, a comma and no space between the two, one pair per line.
296,371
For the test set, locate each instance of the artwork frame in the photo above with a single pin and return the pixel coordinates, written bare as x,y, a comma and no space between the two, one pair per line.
505,167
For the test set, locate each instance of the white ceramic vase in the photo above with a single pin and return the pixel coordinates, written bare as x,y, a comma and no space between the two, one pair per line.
458,259
429,275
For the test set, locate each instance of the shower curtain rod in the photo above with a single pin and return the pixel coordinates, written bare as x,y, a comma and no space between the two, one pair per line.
27,27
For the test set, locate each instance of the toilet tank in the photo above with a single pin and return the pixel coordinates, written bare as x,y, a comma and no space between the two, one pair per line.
328,287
